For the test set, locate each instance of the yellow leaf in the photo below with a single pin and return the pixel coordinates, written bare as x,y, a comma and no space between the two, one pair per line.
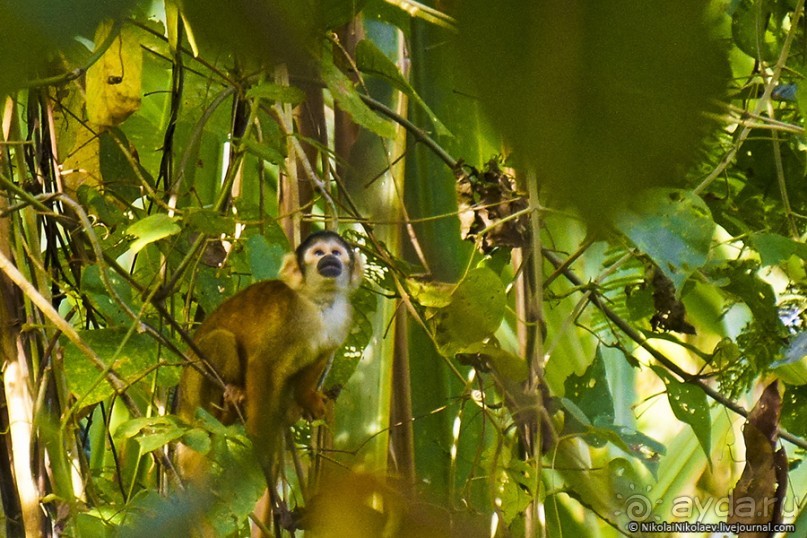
82,166
113,82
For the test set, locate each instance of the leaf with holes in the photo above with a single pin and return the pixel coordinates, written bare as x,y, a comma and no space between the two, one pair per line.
591,394
689,405
673,227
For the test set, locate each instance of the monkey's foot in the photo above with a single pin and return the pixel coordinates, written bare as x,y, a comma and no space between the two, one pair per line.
313,404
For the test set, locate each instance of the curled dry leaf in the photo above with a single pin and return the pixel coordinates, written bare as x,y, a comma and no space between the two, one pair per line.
757,497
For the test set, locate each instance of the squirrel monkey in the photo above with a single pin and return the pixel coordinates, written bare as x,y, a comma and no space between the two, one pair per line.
271,344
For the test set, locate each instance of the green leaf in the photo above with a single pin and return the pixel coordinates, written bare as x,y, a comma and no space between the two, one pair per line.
371,60
475,312
748,28
99,296
109,213
689,405
138,355
209,222
793,406
344,92
277,92
152,433
604,99
792,368
197,439
509,367
633,442
94,524
591,394
213,287
775,248
673,227
152,229
264,258
263,151
430,294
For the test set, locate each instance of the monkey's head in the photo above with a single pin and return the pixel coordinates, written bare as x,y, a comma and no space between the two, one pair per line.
323,262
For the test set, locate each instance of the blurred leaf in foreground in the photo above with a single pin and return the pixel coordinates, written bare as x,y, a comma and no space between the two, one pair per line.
602,99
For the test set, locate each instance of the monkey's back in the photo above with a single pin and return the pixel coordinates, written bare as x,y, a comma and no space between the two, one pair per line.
252,318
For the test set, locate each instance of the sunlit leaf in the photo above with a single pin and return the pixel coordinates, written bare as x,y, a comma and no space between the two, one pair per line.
689,405
345,93
591,394
774,248
132,358
152,229
113,82
152,433
474,313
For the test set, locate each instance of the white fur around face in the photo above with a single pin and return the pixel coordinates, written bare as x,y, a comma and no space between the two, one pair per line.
336,318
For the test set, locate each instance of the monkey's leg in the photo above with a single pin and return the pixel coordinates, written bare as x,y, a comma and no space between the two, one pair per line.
267,402
306,388
221,350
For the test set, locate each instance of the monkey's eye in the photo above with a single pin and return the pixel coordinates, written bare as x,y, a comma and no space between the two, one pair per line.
319,252
336,252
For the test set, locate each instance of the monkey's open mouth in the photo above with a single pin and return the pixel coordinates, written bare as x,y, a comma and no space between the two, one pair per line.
330,266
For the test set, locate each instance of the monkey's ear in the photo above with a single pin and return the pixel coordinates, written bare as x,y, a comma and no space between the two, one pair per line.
358,272
290,272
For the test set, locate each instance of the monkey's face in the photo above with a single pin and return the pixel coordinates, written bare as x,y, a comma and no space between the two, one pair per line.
323,263
327,261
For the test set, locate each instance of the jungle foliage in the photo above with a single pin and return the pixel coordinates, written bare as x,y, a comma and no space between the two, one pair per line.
583,226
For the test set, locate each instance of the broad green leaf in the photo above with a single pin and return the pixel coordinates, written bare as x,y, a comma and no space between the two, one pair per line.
602,99
371,60
419,10
576,413
509,367
591,394
793,410
792,368
122,174
430,294
213,286
138,356
197,439
673,227
345,94
774,248
518,488
474,313
277,92
100,297
749,27
91,523
264,258
97,204
633,442
689,405
209,222
152,433
152,229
